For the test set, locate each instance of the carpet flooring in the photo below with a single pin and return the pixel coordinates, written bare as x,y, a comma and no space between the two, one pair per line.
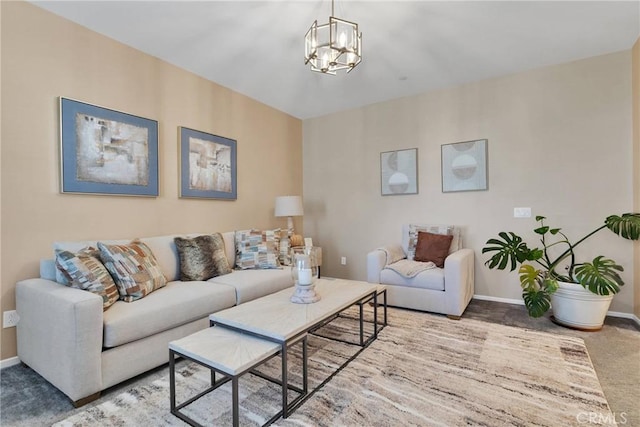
395,381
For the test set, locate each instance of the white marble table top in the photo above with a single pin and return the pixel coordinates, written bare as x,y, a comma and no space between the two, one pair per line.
275,316
228,351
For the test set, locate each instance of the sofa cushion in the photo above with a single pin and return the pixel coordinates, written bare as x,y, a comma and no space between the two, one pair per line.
429,279
176,304
76,247
410,236
432,248
133,268
252,284
202,257
166,254
84,270
230,246
257,249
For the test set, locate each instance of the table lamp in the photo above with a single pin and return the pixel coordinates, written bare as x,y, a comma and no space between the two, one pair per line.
289,206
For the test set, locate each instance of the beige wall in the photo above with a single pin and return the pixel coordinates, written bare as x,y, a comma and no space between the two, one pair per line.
636,168
44,57
559,142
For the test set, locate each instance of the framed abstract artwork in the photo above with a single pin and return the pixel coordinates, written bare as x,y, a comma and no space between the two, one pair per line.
104,151
464,166
399,172
208,165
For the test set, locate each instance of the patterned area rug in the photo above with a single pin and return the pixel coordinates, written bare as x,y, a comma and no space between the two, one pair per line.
423,370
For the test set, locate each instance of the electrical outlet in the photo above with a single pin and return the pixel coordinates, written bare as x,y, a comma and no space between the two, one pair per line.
10,319
343,260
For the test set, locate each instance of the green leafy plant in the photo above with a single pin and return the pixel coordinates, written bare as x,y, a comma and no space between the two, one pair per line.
538,267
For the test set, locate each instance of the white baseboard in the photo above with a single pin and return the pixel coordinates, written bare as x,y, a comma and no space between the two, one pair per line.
630,316
498,299
521,302
12,361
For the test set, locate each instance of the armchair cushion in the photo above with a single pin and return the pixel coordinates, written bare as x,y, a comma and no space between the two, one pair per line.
410,236
432,279
408,268
432,248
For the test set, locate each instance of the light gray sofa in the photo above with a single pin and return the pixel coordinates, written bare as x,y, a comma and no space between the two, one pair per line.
64,335
445,290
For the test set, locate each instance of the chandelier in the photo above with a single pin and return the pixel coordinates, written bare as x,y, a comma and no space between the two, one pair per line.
333,46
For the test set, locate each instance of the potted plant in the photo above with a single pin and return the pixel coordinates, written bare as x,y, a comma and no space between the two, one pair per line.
581,295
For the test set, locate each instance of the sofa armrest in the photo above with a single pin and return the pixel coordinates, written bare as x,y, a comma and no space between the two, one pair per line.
379,259
459,280
60,335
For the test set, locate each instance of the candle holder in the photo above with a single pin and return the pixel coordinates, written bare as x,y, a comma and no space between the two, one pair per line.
304,270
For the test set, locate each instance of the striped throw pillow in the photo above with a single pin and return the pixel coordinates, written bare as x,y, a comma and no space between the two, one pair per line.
84,270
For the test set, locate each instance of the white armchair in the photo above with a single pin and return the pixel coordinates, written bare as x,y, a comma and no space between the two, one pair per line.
445,290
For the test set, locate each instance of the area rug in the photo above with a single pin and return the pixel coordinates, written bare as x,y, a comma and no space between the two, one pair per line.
423,370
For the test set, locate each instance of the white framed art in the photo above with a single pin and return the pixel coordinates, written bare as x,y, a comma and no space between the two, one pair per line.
399,172
464,166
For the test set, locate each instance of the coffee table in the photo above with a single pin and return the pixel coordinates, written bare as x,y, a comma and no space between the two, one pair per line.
277,319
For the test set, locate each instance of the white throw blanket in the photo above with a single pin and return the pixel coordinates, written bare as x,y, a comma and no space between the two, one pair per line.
408,268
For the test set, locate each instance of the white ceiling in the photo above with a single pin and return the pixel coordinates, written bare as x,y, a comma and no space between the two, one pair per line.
409,47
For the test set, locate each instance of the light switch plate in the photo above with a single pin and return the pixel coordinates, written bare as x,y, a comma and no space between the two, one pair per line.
522,212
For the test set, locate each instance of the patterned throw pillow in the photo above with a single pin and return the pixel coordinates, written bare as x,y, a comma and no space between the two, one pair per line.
202,257
83,270
435,229
257,249
433,247
133,268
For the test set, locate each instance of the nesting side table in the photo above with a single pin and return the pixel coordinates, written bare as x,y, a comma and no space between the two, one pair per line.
221,350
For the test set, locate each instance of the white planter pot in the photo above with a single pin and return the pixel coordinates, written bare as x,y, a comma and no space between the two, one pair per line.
575,307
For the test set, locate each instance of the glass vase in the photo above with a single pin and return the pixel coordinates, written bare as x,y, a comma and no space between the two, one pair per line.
304,271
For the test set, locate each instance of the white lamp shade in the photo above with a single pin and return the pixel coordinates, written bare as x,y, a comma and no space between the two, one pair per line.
289,206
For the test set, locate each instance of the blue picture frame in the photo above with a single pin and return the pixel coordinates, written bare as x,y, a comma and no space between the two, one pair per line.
208,165
107,152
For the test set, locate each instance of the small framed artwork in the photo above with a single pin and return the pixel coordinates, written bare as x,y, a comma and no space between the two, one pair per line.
464,166
399,172
104,151
208,165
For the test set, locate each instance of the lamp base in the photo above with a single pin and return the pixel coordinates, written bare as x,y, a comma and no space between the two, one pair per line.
305,294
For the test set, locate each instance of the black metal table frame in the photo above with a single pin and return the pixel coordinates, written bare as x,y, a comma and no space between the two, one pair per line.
288,408
175,409
361,304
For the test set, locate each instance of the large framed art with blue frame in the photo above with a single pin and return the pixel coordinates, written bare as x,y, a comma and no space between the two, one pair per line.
208,165
104,151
